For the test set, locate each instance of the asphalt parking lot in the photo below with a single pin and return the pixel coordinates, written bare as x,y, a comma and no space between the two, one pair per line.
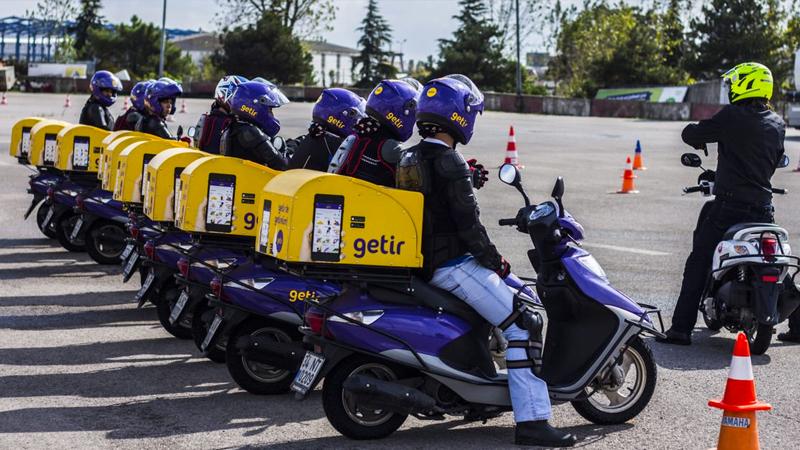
81,367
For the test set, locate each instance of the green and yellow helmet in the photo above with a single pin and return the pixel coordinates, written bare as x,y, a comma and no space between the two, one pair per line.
749,80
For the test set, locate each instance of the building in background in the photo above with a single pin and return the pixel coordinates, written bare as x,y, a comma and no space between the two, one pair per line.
333,64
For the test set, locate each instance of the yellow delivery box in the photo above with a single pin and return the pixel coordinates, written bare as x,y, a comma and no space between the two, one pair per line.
162,182
21,138
113,136
218,195
132,167
111,158
316,217
44,146
80,148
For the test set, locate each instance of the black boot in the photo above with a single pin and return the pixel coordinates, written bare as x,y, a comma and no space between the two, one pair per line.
540,433
789,336
676,337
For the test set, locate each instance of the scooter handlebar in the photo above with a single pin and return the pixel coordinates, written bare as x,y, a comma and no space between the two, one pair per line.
779,191
691,189
508,222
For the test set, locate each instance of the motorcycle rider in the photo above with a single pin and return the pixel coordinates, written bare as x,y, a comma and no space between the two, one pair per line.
749,136
129,119
214,122
458,254
159,101
104,86
374,151
250,134
333,118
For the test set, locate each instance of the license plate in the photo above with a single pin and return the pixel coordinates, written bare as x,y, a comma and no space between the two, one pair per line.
309,370
126,252
76,229
212,330
142,294
130,266
178,308
48,217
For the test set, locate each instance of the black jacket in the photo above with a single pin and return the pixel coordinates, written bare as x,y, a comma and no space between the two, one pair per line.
451,225
96,115
314,153
245,140
750,143
154,125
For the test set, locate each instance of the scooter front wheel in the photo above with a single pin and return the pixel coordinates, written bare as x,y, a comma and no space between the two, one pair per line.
711,324
760,338
626,390
343,411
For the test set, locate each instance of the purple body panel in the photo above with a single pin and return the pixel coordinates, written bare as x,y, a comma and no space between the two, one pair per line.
100,203
41,182
165,252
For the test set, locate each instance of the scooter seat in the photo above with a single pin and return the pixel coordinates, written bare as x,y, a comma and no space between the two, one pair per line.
429,296
742,226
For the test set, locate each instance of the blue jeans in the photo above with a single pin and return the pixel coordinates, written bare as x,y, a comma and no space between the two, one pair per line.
489,296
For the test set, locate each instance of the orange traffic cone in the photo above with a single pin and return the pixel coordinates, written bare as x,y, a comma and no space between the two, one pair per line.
183,107
4,100
638,163
512,157
125,105
739,429
627,179
67,102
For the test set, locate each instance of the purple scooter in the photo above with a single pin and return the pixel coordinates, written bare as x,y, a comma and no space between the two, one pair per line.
386,354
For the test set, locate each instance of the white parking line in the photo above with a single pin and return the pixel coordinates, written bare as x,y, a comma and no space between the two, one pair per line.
638,251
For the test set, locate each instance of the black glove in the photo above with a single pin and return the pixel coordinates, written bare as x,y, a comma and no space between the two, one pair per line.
478,173
504,270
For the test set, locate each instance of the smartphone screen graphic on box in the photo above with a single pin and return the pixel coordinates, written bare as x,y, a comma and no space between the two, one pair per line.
219,210
49,149
80,153
327,230
263,235
25,143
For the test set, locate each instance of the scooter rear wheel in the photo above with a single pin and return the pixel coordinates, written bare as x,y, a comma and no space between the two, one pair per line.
626,401
711,324
345,414
760,338
41,214
168,296
202,315
63,229
254,377
105,242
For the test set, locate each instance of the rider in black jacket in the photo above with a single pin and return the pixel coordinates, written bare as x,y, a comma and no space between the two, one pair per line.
749,137
251,134
105,86
129,119
160,102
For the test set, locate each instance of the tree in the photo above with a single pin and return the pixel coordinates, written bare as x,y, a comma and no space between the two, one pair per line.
267,49
605,46
89,18
376,35
305,18
57,12
136,47
730,32
531,20
476,50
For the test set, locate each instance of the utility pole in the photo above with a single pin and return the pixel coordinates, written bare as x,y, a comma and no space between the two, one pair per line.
164,40
519,64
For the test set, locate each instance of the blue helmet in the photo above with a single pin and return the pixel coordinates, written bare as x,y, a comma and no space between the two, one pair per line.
225,88
101,80
338,110
253,102
453,103
162,89
394,104
138,92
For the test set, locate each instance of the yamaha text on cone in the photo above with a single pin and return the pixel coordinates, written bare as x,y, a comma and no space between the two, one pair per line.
638,162
739,429
627,179
512,157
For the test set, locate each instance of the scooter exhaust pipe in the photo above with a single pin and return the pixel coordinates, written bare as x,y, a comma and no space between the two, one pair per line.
281,355
395,397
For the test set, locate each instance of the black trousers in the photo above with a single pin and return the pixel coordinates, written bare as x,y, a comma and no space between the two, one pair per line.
715,219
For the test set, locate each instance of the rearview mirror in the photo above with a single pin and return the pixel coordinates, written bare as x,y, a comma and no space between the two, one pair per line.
509,174
691,160
191,132
558,189
784,162
279,143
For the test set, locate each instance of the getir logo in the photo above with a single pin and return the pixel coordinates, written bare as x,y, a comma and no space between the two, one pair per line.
459,119
295,295
384,246
335,122
249,110
395,120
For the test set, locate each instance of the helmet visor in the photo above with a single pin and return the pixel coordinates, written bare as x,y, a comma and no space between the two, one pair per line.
476,97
